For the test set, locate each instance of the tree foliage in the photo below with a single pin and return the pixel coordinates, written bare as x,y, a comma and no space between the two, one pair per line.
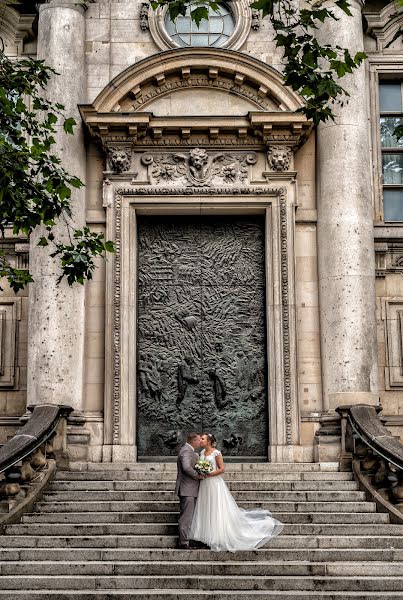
312,69
34,188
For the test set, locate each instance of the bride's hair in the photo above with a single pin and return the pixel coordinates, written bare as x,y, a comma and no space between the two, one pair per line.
211,438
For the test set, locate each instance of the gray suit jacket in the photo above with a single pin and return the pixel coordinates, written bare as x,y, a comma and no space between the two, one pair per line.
187,480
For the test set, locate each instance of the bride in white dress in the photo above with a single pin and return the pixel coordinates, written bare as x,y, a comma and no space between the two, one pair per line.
218,521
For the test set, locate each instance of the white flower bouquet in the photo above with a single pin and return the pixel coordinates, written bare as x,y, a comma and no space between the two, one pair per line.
203,467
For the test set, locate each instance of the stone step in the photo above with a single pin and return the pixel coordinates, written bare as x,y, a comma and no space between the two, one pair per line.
273,506
230,467
355,519
170,496
273,486
34,528
53,536
113,594
171,475
234,568
202,582
84,553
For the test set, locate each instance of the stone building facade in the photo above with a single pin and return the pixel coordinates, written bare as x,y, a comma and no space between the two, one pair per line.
257,280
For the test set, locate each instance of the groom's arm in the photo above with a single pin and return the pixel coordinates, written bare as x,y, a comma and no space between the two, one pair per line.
186,462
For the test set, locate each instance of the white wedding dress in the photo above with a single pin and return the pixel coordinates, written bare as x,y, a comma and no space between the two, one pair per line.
221,524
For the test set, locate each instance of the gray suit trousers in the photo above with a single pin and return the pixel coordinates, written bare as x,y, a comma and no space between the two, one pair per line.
187,506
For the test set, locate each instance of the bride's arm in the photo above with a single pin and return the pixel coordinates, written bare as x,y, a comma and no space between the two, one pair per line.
220,466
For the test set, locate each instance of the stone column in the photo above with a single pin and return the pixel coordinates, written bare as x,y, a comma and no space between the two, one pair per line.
56,313
345,235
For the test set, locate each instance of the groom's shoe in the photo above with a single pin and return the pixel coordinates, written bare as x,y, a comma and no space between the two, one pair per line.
197,545
184,547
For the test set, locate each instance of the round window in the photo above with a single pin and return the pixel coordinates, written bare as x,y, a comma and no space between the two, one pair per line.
214,31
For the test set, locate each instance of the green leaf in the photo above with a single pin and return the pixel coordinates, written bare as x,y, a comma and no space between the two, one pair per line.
198,14
43,242
359,57
398,132
109,246
345,7
68,125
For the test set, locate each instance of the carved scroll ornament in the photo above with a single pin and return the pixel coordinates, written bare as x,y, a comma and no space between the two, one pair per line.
199,168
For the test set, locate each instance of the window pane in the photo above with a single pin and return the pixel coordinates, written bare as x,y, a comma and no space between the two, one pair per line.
388,125
390,96
213,31
392,168
199,39
393,205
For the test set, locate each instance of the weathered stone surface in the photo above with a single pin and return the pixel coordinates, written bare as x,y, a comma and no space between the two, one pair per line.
345,236
56,313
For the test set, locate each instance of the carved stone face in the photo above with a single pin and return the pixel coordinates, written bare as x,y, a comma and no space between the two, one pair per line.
119,159
279,158
198,158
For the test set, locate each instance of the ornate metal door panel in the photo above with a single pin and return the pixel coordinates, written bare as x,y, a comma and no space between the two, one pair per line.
201,333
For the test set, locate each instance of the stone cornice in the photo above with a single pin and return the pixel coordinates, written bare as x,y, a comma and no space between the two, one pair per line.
256,128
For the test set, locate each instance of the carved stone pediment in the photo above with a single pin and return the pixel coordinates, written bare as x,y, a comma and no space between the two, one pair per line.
198,167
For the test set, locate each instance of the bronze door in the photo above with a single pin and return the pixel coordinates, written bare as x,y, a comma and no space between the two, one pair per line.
201,334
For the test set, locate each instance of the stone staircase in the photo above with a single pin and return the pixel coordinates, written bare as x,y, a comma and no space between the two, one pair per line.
108,532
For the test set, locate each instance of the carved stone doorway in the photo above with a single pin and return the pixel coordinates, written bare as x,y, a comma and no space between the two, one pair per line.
201,336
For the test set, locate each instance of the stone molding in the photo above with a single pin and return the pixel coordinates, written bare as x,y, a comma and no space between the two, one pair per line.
243,18
151,73
71,5
383,26
10,314
392,315
388,258
14,28
284,419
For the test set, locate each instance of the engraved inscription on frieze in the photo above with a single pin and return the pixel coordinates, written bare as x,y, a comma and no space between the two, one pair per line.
198,167
201,333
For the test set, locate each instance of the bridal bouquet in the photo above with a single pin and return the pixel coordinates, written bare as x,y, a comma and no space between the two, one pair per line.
203,467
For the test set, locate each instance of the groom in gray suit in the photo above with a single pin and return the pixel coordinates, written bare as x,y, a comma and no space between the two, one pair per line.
187,487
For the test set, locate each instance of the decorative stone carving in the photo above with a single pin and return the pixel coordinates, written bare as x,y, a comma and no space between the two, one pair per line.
222,82
388,258
144,16
119,158
201,329
288,372
199,168
256,19
279,158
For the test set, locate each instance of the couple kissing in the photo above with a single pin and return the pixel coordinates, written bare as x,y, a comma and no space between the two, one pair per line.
208,512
